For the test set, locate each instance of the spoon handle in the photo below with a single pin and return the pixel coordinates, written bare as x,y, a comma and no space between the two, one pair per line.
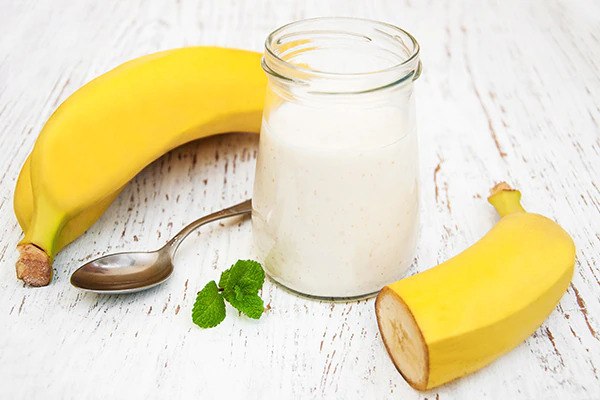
239,209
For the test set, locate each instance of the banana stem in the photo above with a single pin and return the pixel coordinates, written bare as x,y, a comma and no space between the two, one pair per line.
45,226
34,266
37,248
505,199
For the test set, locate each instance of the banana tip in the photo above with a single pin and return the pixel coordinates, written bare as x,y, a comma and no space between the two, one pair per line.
33,266
500,187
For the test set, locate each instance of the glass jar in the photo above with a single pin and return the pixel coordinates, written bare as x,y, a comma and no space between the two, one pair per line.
335,204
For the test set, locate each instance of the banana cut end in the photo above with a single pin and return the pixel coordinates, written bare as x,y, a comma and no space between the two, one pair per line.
403,339
33,266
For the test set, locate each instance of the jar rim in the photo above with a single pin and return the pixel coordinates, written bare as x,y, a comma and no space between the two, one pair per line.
274,64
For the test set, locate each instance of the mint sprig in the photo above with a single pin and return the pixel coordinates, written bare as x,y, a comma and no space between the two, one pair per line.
239,285
209,308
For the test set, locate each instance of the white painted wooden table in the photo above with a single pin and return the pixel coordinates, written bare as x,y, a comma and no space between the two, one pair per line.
510,90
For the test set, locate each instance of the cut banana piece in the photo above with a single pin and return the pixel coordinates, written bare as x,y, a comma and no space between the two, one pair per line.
459,316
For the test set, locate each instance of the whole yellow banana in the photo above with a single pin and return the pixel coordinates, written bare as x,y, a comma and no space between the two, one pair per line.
455,318
111,128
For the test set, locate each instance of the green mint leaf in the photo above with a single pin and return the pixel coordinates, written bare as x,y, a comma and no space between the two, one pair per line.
241,284
247,275
224,281
209,308
250,304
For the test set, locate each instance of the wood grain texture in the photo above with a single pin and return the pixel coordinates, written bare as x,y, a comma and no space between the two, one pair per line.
510,91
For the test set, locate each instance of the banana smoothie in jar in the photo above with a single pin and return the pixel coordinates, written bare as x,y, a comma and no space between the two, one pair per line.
335,204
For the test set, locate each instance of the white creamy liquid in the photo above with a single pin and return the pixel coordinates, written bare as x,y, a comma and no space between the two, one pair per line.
336,197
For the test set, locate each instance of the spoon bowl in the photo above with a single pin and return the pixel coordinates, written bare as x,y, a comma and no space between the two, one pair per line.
136,271
124,272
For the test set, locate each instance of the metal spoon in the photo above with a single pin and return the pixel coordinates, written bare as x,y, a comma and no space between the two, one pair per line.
136,271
